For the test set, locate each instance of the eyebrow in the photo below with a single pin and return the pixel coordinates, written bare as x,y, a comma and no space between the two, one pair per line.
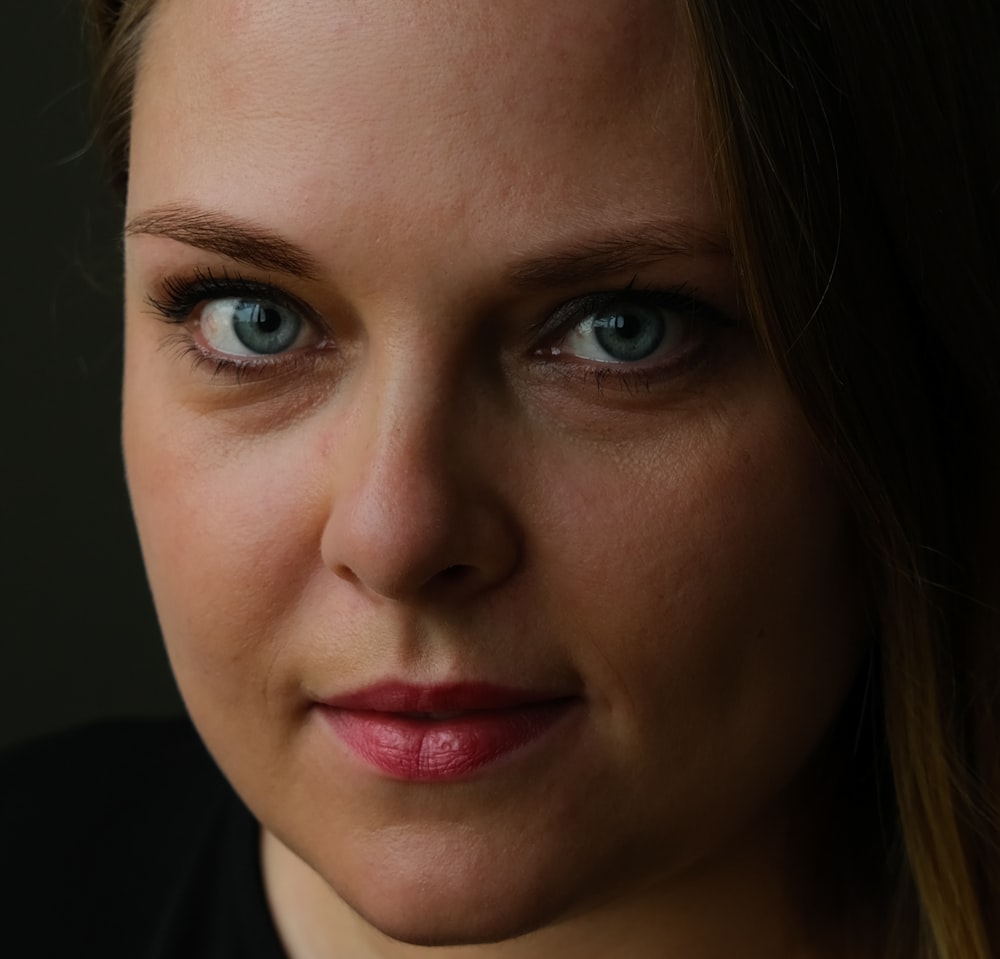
615,251
228,236
618,251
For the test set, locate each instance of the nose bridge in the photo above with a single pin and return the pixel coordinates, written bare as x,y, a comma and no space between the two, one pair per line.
413,510
414,446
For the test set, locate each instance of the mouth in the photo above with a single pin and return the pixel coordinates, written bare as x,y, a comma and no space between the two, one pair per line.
433,717
445,732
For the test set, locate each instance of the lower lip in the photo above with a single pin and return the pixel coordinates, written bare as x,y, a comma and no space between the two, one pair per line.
420,750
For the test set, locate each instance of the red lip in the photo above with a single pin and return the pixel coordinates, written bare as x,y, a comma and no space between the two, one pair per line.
443,732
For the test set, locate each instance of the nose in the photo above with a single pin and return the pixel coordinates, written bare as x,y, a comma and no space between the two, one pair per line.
417,514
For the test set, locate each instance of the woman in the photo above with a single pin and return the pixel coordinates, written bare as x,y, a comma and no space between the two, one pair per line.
562,441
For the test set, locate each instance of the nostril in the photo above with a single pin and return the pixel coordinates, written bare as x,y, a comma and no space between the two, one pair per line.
451,581
455,574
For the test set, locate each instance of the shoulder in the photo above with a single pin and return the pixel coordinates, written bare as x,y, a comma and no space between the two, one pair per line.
100,826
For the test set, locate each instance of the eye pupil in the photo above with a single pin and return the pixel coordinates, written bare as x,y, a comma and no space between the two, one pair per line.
628,326
630,333
267,320
265,327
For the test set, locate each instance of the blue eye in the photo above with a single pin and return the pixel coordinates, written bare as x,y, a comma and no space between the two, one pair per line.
629,333
250,327
625,330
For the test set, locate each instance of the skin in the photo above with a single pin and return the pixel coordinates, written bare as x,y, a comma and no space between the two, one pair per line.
437,486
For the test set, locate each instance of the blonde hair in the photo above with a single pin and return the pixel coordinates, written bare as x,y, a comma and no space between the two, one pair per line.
856,147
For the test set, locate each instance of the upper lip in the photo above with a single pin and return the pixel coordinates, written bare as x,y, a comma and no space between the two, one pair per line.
400,697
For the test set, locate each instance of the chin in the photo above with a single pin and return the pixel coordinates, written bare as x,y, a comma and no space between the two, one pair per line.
451,930
456,923
451,906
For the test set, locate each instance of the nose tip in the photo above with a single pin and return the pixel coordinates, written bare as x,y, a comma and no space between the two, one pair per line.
420,528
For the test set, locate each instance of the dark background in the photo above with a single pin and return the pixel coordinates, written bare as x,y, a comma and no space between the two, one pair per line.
79,637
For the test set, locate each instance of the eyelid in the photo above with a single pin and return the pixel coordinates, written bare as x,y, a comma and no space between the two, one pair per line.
178,296
178,299
706,329
683,300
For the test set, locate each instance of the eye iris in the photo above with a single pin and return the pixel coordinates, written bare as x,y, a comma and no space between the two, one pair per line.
265,327
629,333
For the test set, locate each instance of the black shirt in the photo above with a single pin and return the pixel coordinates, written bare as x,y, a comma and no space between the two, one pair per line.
124,840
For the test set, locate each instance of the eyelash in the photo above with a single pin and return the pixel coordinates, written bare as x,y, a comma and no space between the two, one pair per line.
179,298
703,338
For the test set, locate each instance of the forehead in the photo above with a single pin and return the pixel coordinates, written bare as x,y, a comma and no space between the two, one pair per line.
403,111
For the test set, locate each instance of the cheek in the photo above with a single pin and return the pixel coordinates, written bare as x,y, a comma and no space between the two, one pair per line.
230,534
713,604
734,521
697,581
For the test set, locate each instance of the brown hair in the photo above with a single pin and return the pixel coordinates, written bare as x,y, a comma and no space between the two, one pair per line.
857,164
856,147
116,29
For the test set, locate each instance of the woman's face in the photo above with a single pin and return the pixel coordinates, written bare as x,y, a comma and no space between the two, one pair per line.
496,565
